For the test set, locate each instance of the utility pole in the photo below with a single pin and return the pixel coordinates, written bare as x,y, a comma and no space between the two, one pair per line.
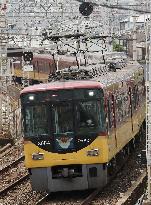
134,38
148,103
3,61
5,73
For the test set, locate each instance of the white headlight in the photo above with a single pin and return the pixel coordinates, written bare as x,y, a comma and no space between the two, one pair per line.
93,153
91,93
31,97
38,156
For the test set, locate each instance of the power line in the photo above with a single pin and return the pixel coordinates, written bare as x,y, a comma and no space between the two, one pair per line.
117,7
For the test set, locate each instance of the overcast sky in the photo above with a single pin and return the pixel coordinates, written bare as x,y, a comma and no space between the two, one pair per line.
126,1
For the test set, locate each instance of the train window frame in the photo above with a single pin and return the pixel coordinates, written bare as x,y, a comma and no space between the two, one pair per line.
58,106
100,115
45,100
125,107
25,108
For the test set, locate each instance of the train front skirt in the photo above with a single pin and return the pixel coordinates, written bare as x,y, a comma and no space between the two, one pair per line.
89,177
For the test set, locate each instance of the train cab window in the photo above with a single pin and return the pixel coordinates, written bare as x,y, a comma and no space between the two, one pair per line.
36,120
62,114
89,116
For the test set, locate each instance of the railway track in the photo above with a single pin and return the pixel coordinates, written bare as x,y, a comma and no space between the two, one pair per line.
12,174
42,200
94,194
128,198
14,177
6,152
12,169
86,201
17,182
10,155
3,149
20,192
8,166
137,189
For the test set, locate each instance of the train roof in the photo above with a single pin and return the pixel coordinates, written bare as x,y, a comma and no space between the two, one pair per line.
94,56
67,58
99,80
123,74
59,85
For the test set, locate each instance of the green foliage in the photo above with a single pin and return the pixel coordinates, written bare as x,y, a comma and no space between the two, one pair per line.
117,47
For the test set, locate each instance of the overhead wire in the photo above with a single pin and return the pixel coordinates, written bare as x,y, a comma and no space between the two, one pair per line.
120,7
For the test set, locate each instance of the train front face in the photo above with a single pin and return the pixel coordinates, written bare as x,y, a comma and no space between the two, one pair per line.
64,139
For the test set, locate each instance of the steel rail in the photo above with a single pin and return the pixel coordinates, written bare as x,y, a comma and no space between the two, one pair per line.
92,196
11,164
6,152
89,199
42,200
5,190
3,149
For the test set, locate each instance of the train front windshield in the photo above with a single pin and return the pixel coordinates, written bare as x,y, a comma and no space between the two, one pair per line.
80,116
63,113
36,120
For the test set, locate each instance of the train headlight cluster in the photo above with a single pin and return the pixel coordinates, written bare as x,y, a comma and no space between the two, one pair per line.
91,93
31,97
38,156
93,152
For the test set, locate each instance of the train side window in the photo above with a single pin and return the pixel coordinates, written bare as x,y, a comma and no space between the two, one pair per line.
140,93
125,101
110,113
37,66
122,106
50,68
134,97
127,104
34,65
46,67
119,108
113,111
41,65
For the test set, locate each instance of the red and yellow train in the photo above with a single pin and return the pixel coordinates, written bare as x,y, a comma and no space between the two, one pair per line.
43,65
76,131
